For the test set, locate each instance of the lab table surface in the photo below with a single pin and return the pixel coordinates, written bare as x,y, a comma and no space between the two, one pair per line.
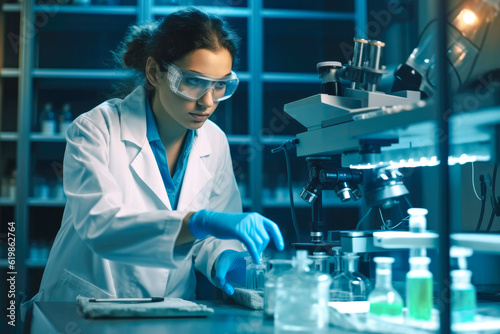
58,317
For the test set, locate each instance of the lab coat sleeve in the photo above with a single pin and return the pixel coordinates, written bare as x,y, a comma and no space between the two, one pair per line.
225,197
97,212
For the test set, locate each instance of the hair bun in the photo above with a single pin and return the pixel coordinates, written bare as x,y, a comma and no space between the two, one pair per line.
135,47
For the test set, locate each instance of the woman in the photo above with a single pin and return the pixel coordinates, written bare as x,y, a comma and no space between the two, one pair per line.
149,180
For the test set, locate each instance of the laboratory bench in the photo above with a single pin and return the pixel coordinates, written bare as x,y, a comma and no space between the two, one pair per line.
64,317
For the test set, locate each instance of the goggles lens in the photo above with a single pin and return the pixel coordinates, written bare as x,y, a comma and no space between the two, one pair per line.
192,86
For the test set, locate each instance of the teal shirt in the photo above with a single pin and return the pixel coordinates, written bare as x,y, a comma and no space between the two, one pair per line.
172,184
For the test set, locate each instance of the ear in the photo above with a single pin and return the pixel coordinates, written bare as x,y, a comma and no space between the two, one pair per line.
153,72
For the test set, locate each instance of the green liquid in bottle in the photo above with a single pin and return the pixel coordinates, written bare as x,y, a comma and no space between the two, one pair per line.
419,297
463,305
386,309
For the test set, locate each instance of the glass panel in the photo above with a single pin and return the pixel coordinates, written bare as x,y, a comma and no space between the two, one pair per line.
240,158
309,41
320,5
80,41
81,94
8,109
7,171
11,41
275,121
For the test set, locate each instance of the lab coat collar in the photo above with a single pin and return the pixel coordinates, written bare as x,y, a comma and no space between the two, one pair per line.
133,126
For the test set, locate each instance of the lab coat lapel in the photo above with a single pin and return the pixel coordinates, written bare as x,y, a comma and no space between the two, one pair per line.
197,175
133,126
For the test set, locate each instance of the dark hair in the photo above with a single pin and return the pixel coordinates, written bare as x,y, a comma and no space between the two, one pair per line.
173,37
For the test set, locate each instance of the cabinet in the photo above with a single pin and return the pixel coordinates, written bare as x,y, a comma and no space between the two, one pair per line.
60,53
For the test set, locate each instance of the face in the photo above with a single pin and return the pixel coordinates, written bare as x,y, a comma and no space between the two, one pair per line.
168,107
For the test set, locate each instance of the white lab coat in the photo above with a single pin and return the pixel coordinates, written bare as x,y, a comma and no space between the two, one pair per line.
118,230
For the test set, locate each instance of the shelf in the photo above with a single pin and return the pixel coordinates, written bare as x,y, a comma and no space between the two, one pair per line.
36,263
11,7
93,9
8,136
238,139
8,72
275,140
7,201
80,73
305,14
290,77
40,137
53,202
246,202
222,11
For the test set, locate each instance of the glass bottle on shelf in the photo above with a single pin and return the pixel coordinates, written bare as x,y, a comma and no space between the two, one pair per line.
65,118
278,268
302,299
48,120
419,289
349,285
463,296
384,300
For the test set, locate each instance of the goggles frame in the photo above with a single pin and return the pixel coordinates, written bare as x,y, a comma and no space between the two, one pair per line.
177,77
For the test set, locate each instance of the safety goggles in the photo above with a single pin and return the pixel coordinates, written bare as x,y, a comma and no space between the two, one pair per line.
192,85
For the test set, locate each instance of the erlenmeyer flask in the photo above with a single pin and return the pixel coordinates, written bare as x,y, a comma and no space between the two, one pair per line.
350,285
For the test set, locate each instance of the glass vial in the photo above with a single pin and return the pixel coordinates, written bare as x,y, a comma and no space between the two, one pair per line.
384,300
255,274
48,120
65,118
463,296
302,299
418,224
278,268
350,285
419,289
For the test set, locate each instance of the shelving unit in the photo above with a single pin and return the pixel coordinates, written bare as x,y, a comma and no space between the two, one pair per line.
47,68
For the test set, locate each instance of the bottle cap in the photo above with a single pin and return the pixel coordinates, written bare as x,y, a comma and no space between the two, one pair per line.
419,262
380,259
417,218
461,253
460,276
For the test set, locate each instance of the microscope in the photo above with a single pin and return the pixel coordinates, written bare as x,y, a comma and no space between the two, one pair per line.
382,184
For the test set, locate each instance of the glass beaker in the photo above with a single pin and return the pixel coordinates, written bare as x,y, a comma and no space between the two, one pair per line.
278,268
349,285
321,262
255,274
384,300
302,299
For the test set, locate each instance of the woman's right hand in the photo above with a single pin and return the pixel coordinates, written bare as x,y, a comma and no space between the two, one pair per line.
252,229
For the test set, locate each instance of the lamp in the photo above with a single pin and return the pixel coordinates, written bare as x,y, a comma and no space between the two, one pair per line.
468,26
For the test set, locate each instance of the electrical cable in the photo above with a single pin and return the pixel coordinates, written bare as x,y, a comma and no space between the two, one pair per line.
358,225
496,204
483,203
285,147
492,216
473,183
408,202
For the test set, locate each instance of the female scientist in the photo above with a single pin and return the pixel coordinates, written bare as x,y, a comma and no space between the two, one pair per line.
151,193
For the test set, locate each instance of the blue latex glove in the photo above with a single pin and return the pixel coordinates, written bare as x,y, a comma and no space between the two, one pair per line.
252,229
230,269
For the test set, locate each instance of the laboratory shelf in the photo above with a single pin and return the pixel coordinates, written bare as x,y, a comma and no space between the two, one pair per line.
275,140
246,202
11,7
479,242
8,136
53,202
80,73
222,11
6,201
93,9
290,77
36,263
40,137
238,139
305,14
8,72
